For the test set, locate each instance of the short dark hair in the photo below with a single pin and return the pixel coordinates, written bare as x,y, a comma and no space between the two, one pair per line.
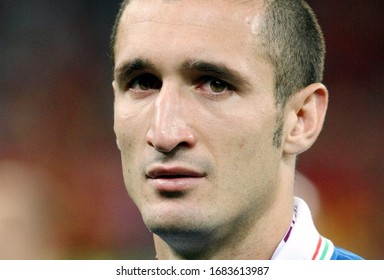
292,41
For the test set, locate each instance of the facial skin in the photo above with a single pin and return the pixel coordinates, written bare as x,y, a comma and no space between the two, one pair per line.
195,117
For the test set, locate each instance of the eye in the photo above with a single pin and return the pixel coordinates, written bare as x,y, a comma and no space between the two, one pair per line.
215,86
145,82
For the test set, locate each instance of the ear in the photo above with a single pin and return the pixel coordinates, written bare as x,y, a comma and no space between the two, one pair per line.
114,86
118,144
304,118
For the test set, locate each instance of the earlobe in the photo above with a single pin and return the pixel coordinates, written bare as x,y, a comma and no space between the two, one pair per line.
304,118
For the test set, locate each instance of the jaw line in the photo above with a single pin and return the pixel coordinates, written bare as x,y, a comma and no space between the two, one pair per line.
187,244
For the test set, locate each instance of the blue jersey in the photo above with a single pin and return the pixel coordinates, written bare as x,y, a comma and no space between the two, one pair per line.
342,254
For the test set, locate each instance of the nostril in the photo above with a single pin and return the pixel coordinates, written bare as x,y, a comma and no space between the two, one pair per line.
166,142
162,149
170,149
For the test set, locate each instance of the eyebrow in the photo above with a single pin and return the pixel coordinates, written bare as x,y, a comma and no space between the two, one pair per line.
218,70
215,69
132,66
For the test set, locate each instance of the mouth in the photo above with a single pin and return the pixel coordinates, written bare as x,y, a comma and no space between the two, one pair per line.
173,179
172,173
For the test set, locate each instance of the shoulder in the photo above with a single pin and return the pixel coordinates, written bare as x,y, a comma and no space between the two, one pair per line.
342,254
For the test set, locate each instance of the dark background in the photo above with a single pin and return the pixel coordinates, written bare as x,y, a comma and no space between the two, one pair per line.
56,115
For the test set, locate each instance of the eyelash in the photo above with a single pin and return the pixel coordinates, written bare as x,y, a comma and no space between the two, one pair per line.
227,88
144,78
148,83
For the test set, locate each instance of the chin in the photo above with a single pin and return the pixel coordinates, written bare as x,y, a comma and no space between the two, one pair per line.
174,225
186,242
173,215
178,224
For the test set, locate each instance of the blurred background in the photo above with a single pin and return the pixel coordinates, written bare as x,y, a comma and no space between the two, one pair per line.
61,189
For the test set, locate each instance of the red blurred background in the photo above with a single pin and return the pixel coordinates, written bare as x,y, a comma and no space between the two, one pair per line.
56,128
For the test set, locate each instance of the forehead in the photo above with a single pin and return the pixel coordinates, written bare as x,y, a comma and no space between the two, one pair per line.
202,11
238,19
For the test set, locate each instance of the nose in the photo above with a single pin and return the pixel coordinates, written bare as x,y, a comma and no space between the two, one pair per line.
169,127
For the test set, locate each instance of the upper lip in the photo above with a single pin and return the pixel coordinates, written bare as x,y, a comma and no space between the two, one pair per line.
163,172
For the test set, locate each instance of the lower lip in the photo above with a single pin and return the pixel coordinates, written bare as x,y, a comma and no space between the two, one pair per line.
176,184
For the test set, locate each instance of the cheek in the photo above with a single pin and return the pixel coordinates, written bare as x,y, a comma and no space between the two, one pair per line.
245,151
129,125
129,135
241,153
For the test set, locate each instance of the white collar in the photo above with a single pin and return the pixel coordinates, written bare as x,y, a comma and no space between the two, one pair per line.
304,242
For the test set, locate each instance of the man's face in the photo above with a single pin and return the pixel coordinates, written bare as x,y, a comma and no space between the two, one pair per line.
195,115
